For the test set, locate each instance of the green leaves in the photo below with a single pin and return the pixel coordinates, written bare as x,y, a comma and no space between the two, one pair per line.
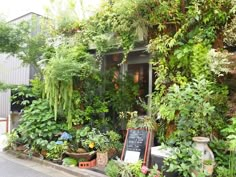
184,159
191,107
12,37
67,66
38,124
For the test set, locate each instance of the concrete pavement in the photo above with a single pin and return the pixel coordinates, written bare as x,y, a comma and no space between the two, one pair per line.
11,166
46,167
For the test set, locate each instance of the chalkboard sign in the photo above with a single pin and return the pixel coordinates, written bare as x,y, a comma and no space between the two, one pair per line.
136,145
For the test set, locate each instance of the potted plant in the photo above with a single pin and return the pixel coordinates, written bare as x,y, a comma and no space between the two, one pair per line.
115,146
100,142
144,122
77,148
55,150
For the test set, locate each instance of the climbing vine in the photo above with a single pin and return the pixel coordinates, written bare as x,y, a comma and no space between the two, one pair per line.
181,37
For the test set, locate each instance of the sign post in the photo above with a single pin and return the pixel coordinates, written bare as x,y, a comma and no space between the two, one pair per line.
136,146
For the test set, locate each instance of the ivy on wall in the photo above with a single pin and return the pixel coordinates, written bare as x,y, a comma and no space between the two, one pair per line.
181,36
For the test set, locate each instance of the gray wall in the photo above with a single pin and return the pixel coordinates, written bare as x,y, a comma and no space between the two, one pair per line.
11,72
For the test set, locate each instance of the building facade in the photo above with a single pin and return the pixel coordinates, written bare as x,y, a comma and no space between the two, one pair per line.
12,70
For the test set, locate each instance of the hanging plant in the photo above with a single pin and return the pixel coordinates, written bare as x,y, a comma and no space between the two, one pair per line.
67,65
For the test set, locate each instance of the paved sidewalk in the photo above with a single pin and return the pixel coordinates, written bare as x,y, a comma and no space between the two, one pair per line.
50,169
11,166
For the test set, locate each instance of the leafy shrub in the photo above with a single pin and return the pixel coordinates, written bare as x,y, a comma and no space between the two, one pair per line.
185,160
222,171
112,169
193,108
56,149
37,123
119,168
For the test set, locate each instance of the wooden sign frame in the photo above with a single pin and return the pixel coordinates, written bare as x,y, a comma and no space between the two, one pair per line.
147,144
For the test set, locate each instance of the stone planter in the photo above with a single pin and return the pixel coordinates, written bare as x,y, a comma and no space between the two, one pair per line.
102,159
201,145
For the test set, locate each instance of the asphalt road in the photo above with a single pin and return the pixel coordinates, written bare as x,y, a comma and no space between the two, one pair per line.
11,166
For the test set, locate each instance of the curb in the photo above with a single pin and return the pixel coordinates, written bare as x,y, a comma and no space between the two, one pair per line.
70,170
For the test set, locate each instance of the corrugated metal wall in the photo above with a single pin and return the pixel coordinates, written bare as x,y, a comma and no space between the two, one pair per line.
11,72
5,103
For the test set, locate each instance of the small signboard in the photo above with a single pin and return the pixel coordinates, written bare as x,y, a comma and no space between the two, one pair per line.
136,146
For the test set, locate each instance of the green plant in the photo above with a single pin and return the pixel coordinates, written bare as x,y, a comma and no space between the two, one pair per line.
221,151
208,162
189,107
154,172
112,169
22,95
67,70
56,149
231,132
13,139
222,171
230,28
123,169
135,121
4,86
12,36
119,168
92,139
136,169
114,139
37,124
97,139
184,160
115,90
192,108
69,161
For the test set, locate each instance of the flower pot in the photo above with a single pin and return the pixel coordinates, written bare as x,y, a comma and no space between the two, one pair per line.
20,148
44,153
87,155
201,145
206,153
102,159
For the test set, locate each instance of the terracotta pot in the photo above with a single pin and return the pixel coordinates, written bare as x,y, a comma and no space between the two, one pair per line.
102,159
20,148
44,153
87,155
